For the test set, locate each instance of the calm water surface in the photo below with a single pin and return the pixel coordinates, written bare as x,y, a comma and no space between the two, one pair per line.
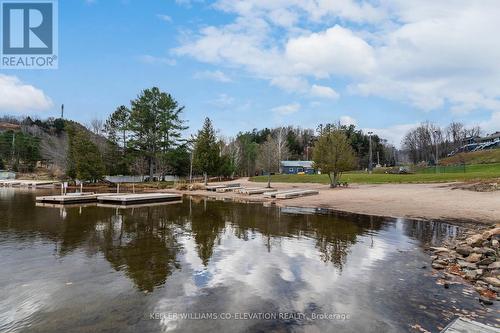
172,267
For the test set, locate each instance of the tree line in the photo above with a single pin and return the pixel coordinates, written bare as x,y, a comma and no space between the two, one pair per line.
428,142
148,137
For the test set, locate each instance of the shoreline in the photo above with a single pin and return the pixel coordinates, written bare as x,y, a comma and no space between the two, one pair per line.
430,202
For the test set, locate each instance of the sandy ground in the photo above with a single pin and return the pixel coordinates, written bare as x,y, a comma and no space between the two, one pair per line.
421,201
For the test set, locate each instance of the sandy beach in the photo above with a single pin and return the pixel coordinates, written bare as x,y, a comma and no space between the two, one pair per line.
417,201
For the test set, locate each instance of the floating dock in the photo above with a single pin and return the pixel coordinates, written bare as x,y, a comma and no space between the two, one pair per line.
228,189
464,325
140,205
217,188
141,198
27,183
68,205
72,198
274,193
296,194
244,189
256,191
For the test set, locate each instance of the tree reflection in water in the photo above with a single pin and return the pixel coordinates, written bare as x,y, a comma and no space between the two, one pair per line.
145,244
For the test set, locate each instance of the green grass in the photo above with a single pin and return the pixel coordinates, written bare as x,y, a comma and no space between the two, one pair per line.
477,157
488,168
473,172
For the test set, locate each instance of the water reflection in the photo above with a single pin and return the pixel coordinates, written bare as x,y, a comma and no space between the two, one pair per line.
118,265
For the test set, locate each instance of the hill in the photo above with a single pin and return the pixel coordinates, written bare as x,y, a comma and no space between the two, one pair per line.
26,144
477,157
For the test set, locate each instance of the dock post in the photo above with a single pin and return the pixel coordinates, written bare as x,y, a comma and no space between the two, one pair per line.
62,189
81,187
118,188
133,188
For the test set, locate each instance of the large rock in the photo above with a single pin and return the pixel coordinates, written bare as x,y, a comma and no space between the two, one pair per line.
440,249
486,261
474,274
465,264
474,257
437,265
495,244
485,250
492,280
495,265
474,240
464,250
489,233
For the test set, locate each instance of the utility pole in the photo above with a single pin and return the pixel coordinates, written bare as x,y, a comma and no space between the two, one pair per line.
437,155
62,111
268,165
191,168
370,157
13,147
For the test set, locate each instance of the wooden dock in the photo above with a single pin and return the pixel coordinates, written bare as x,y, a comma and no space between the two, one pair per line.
140,205
274,193
227,189
296,194
27,183
244,189
141,198
72,198
249,191
67,205
216,188
464,325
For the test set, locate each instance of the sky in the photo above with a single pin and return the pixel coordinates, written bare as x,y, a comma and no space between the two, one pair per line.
383,65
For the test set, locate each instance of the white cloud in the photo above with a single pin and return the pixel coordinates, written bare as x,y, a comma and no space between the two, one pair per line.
222,101
17,96
290,83
188,3
491,125
325,92
425,53
393,134
213,75
347,120
287,12
334,51
164,17
152,60
286,109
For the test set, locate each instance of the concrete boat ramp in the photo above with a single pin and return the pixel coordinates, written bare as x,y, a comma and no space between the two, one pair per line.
113,198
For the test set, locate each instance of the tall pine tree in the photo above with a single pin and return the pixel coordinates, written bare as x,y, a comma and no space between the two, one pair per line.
155,124
206,154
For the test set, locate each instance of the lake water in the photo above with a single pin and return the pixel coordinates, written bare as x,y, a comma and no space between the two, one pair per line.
204,266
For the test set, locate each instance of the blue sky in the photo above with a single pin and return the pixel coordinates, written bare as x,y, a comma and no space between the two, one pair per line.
383,65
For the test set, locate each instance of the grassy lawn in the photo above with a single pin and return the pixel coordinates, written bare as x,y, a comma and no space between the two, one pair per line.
473,172
488,168
478,157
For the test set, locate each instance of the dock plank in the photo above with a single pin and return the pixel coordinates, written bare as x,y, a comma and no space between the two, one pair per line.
464,325
296,194
126,199
256,191
72,198
273,194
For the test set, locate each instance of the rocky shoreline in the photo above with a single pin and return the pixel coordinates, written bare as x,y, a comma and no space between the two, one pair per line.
475,258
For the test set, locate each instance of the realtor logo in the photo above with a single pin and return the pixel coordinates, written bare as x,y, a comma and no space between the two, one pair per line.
29,34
